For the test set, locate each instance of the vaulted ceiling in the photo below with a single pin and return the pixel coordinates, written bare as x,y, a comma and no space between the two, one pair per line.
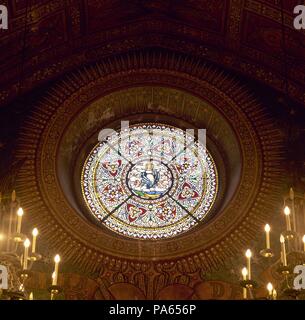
242,35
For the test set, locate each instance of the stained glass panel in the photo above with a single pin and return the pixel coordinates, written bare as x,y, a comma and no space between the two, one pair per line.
150,181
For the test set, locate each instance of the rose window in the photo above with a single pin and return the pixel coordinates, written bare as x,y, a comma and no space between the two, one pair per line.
150,181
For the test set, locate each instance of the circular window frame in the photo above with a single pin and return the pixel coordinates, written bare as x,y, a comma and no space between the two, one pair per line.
97,179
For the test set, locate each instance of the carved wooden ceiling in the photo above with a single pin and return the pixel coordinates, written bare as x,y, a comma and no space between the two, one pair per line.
242,35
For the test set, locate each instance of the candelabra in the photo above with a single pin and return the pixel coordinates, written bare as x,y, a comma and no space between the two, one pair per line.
292,253
18,254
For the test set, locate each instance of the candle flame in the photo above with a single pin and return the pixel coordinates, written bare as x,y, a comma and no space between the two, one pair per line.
244,271
270,287
1,236
57,258
282,239
20,212
35,232
287,211
27,243
248,253
267,228
303,239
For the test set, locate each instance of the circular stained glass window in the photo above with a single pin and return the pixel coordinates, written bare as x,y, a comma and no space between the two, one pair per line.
150,181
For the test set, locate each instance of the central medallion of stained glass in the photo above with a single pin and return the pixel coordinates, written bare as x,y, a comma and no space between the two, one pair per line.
149,181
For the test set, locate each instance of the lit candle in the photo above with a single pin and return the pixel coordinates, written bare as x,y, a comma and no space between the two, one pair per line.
282,240
304,241
270,289
287,214
27,244
248,256
267,229
31,297
19,214
35,234
244,272
55,274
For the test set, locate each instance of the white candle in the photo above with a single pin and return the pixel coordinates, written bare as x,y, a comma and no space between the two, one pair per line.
27,244
287,214
282,240
19,219
248,256
35,234
55,274
267,229
244,272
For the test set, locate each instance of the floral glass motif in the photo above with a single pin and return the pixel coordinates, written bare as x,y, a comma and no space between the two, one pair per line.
150,181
